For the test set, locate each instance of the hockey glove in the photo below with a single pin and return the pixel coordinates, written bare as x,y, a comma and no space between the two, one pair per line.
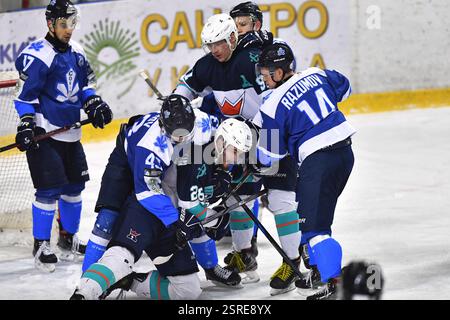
218,228
25,133
97,111
221,181
188,228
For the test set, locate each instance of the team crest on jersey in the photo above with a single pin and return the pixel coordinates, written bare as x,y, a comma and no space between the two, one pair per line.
232,108
68,91
133,235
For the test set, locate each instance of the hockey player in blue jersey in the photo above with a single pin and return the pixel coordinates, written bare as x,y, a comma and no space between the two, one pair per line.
56,83
228,71
117,184
149,220
300,117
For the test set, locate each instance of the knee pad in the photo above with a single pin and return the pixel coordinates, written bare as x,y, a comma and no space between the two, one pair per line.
185,287
119,260
281,201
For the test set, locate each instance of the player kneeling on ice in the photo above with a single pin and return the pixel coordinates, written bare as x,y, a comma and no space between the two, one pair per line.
148,220
192,186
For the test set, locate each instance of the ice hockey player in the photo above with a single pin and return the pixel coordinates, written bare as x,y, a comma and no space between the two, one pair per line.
231,142
117,184
149,221
249,22
302,110
56,82
228,70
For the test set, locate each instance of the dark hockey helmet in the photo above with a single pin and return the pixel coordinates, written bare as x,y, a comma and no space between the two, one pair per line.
277,55
360,278
248,8
57,9
177,118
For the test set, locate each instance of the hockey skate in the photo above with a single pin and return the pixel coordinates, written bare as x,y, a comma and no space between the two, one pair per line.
254,249
44,258
283,280
310,282
244,262
70,247
223,277
328,292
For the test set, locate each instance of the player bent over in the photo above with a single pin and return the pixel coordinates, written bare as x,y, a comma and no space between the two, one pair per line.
56,82
117,184
231,142
302,112
148,220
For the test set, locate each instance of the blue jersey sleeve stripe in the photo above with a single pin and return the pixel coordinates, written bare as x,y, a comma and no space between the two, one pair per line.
161,206
24,108
87,92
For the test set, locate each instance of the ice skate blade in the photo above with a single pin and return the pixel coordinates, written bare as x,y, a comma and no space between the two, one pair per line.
308,292
229,286
275,292
45,267
249,277
69,256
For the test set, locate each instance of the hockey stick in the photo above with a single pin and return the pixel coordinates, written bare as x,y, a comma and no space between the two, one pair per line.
234,206
270,238
49,134
144,75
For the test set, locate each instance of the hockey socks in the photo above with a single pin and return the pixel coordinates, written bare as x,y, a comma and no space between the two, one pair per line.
205,252
288,232
241,226
43,212
157,287
328,255
70,212
100,237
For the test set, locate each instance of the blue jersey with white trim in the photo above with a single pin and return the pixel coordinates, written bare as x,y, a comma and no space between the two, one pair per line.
54,85
301,116
150,155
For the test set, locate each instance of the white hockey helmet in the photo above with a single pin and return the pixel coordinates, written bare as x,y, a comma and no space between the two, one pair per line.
219,27
232,140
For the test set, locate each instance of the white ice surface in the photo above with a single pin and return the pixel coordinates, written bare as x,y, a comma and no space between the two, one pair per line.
395,211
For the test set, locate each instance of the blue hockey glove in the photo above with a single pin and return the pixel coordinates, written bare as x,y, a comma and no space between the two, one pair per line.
188,227
218,228
97,111
25,133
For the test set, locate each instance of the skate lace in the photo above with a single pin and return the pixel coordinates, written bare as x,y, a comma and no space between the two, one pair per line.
44,249
236,262
284,272
75,244
221,272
